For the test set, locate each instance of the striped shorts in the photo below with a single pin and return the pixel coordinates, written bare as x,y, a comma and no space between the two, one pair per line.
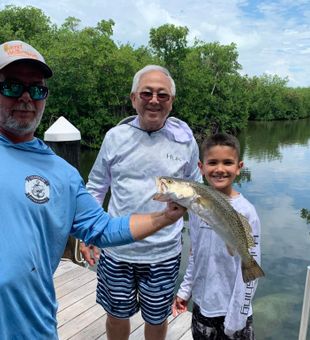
125,288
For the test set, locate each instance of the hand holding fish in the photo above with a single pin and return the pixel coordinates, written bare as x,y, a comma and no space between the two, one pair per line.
144,225
174,211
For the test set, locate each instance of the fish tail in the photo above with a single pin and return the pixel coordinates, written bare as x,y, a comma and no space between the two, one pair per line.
251,271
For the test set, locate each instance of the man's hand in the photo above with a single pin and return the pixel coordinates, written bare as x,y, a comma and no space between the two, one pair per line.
174,211
179,306
91,253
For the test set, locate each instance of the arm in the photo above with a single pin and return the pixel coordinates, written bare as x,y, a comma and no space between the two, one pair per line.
94,226
183,296
145,225
185,291
241,301
140,227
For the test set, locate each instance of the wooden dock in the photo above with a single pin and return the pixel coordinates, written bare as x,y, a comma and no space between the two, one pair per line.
81,318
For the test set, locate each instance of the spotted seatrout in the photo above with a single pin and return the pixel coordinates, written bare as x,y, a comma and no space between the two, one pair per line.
214,208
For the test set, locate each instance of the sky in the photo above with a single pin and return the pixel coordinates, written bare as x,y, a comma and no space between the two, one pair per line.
272,36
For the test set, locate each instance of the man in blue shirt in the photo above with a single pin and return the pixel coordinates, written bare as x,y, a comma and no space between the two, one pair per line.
43,200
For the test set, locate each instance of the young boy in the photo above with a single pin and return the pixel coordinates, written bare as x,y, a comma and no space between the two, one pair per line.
221,300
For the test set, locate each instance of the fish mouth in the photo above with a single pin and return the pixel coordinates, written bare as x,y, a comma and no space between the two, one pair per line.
163,186
161,190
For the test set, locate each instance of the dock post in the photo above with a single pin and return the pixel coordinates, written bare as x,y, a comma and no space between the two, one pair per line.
305,309
64,138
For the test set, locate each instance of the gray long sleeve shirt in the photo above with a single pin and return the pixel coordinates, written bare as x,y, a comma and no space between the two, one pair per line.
128,162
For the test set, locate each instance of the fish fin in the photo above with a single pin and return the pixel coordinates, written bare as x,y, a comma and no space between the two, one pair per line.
251,271
231,251
248,230
201,201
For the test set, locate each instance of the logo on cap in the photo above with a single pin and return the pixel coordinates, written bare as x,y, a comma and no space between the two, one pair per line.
18,51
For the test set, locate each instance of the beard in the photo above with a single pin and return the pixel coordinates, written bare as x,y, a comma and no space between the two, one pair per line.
10,123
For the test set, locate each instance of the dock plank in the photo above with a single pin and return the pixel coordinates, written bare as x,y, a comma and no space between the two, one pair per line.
75,283
178,326
76,295
76,309
187,336
93,331
81,318
68,276
77,324
64,266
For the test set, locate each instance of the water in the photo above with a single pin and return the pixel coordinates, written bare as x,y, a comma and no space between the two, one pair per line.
278,157
277,181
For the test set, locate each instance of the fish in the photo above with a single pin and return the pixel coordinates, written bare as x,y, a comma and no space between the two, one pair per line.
214,208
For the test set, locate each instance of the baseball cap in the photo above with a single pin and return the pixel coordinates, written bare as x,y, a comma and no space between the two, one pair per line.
16,50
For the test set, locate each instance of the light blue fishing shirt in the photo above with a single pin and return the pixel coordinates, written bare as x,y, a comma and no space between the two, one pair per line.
128,162
43,200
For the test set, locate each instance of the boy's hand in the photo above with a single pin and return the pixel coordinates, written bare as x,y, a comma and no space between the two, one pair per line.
179,306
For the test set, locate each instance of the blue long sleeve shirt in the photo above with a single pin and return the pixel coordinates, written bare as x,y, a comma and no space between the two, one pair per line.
42,201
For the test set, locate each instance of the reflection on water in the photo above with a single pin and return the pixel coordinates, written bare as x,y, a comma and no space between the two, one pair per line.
264,140
277,154
276,179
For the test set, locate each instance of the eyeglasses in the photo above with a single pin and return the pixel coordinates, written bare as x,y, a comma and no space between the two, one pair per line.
147,96
13,89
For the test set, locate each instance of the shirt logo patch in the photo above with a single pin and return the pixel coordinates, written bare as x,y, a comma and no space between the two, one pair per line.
174,157
37,189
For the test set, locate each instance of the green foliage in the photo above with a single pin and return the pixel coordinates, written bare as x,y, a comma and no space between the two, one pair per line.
78,61
23,23
92,78
169,43
105,27
93,75
271,99
71,24
305,214
210,94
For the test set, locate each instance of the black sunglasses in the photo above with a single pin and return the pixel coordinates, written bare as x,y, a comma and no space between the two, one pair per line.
147,96
14,89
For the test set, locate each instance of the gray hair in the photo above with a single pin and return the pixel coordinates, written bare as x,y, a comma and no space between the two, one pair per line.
150,68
